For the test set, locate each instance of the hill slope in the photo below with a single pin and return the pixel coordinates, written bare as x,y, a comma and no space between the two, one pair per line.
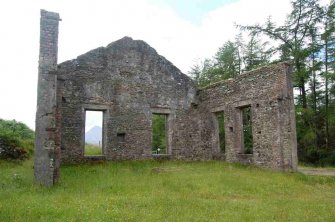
94,135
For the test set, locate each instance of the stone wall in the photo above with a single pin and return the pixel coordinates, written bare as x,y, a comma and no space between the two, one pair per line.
269,93
129,82
47,142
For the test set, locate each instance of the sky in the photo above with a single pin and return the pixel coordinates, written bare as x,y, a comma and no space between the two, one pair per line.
93,118
183,31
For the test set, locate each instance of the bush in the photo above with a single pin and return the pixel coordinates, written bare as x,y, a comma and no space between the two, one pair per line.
312,155
16,140
18,129
319,157
328,160
11,147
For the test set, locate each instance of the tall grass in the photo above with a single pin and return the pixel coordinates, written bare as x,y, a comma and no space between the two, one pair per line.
165,191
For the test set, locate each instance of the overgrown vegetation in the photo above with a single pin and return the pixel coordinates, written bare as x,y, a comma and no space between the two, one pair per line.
307,41
165,191
16,140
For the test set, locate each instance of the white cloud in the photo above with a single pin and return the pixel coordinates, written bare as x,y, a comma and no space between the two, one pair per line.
89,24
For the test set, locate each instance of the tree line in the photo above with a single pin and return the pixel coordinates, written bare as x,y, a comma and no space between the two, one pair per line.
307,41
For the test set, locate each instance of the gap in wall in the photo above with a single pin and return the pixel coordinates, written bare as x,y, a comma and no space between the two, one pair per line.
93,133
221,131
159,138
247,130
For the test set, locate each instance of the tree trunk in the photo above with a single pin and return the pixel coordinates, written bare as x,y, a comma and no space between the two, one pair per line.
326,89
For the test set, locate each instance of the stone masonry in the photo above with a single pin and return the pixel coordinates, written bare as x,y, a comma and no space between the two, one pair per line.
129,82
47,142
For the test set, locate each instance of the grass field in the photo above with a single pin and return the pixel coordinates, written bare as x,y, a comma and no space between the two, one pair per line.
165,191
92,150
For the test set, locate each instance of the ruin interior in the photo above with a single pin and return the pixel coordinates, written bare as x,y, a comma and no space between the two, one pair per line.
129,82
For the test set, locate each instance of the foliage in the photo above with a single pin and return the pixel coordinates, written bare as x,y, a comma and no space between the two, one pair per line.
159,133
165,191
17,129
256,53
224,65
230,60
293,38
307,41
16,140
247,130
227,63
11,148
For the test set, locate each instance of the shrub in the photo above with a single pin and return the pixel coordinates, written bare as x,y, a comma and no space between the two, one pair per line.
319,157
328,159
16,140
11,147
18,129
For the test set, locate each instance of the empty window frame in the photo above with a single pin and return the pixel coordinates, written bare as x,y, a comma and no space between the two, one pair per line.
121,137
159,134
93,133
221,131
247,141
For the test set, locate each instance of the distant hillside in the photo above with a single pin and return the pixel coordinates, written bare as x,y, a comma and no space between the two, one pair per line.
94,135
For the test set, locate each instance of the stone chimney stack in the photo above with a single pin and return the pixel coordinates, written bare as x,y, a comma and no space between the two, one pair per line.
47,150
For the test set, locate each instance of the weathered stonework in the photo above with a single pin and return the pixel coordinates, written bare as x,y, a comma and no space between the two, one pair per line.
47,142
130,82
268,91
127,80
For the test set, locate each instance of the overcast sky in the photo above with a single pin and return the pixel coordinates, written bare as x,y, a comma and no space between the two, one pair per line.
180,30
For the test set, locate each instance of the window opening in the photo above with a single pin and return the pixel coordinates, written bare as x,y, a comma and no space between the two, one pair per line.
247,140
159,138
93,133
221,131
121,137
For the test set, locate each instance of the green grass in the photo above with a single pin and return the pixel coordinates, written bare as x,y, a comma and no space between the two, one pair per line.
165,191
92,150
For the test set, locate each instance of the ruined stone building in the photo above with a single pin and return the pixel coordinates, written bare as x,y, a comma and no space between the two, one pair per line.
129,82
